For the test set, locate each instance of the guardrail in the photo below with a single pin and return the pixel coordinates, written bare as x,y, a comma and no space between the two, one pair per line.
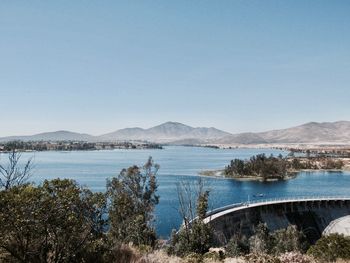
278,200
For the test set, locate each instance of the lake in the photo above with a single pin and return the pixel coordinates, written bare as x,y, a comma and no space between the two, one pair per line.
177,163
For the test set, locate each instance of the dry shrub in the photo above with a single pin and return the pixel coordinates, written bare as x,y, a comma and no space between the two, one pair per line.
214,256
296,257
234,260
261,258
126,254
159,256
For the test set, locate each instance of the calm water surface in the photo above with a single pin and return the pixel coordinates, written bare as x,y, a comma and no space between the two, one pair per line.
92,168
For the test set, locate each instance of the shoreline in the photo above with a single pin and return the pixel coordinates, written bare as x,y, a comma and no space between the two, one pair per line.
291,175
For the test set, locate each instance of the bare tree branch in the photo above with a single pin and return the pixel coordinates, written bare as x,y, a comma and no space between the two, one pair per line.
14,174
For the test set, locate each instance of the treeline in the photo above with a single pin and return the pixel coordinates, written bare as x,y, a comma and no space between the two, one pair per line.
288,246
258,166
72,146
61,221
315,163
272,167
322,152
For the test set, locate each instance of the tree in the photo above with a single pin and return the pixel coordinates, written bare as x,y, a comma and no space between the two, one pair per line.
194,236
261,242
331,247
55,222
237,246
288,240
13,174
132,196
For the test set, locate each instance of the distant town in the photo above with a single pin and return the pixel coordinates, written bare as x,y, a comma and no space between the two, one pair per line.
73,146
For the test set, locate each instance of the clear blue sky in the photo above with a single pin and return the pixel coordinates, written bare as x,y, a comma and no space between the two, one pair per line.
97,66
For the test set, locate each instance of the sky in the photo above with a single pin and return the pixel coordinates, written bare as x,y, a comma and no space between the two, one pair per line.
98,66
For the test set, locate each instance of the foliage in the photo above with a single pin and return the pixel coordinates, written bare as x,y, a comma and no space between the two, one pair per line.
316,163
19,145
193,258
261,241
277,167
237,246
329,248
259,165
194,236
55,222
280,241
287,240
212,256
296,257
261,258
132,197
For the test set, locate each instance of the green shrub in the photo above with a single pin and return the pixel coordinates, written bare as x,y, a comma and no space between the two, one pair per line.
237,246
329,248
261,241
213,256
288,240
195,236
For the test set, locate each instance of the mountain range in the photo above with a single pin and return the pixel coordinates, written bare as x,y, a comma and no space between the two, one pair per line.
178,133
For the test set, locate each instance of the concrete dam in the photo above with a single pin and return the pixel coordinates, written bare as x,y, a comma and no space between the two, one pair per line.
311,215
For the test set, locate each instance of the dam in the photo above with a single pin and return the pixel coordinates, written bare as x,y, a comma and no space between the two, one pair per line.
312,215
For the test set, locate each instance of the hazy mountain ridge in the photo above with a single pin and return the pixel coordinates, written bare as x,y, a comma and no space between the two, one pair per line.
51,136
312,132
166,132
242,138
178,133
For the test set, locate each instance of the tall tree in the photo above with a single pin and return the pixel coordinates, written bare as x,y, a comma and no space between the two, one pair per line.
194,235
132,196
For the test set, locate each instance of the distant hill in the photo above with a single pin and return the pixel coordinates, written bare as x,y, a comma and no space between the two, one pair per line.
241,138
166,132
178,133
312,132
52,136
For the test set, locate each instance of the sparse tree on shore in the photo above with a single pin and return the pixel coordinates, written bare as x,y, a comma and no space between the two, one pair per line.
194,235
132,196
13,173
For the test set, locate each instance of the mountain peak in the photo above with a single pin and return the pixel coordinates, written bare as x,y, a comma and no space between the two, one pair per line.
166,132
171,123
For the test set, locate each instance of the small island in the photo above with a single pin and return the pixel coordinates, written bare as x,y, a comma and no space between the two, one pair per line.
270,168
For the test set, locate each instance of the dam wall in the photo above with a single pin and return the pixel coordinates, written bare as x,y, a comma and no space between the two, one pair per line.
312,216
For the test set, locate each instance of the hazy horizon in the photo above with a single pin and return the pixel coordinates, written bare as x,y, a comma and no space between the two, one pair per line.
239,66
106,132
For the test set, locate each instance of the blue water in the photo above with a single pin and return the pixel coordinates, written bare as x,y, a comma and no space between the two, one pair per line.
92,168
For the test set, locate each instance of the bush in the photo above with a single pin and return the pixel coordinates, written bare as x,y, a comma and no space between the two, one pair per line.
159,256
125,253
288,240
213,256
194,258
296,257
329,248
237,246
54,222
261,242
194,236
261,258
